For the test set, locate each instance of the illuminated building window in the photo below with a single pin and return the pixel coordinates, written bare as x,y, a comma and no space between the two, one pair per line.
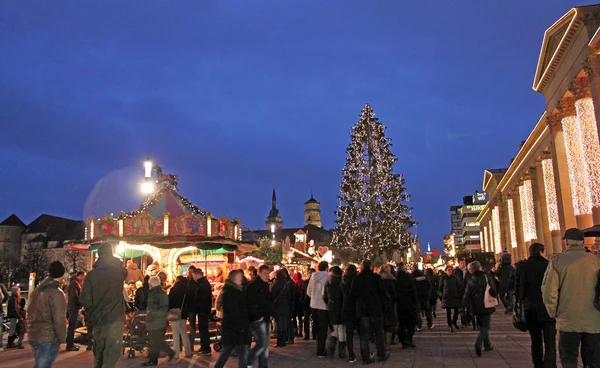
578,172
591,147
550,190
512,224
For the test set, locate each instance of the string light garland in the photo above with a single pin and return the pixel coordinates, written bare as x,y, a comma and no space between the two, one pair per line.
483,246
511,223
497,231
550,190
527,211
591,148
578,171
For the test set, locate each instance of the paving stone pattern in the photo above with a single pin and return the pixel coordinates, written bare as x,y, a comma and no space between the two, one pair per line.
435,348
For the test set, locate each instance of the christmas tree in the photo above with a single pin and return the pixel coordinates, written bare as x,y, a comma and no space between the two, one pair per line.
373,220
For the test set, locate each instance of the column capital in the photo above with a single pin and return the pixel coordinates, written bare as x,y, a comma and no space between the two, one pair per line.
566,106
554,121
591,66
580,88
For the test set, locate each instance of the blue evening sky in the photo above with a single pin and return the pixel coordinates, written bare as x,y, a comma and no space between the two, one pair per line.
237,97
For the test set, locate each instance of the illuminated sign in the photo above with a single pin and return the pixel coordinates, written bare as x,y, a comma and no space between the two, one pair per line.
475,208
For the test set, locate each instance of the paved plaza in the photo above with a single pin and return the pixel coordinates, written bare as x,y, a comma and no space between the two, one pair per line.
436,348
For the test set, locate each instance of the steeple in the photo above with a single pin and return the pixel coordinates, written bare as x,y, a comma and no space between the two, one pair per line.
312,212
274,217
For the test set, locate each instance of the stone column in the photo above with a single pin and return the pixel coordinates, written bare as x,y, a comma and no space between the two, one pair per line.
579,186
507,215
592,69
586,114
558,151
550,204
538,200
540,197
521,244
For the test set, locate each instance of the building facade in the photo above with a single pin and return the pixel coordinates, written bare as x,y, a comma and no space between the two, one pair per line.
465,227
553,183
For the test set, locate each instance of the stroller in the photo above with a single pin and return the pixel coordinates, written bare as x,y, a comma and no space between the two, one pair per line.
214,328
136,337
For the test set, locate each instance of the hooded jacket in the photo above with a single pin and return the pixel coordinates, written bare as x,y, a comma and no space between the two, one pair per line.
568,290
315,290
46,313
102,292
134,273
158,306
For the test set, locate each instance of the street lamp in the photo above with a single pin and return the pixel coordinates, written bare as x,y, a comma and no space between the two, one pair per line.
147,186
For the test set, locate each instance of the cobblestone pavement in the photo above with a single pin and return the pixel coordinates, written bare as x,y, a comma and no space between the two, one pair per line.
435,348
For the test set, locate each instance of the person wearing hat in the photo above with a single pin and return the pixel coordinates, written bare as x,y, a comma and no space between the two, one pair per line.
102,298
568,292
46,320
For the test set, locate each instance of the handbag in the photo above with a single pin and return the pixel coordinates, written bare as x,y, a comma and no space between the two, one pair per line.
519,317
488,300
174,314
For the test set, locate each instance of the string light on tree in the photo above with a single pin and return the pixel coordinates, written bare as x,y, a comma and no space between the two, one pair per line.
591,148
497,234
578,171
550,191
511,222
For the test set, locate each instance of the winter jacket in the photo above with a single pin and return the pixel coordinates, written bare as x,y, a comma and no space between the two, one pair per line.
46,321
259,300
134,273
475,293
190,300
281,295
388,300
334,297
158,306
568,290
235,326
203,298
73,294
140,300
177,296
299,296
506,277
422,285
367,292
305,297
102,292
13,307
349,304
450,288
406,291
531,275
315,290
434,281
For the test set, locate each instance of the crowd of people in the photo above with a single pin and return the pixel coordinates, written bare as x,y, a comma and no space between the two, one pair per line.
381,305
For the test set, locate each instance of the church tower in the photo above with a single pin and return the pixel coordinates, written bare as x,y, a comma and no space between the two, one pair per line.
274,217
312,212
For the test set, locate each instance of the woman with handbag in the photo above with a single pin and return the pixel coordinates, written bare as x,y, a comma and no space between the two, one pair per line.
481,295
178,313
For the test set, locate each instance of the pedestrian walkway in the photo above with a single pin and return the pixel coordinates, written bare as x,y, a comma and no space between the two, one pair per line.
435,348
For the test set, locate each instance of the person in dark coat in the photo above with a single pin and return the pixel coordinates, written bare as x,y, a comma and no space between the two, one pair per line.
368,294
388,304
506,279
156,322
474,296
349,309
73,308
542,328
434,280
140,300
406,307
307,319
423,289
203,301
293,298
450,296
260,310
235,326
177,297
298,311
281,294
334,297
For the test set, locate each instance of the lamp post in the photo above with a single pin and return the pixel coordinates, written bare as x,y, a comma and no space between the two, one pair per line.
147,185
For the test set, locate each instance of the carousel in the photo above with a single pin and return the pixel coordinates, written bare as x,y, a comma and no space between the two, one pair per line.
170,233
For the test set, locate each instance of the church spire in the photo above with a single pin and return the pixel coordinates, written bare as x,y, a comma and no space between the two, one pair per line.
274,200
274,219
